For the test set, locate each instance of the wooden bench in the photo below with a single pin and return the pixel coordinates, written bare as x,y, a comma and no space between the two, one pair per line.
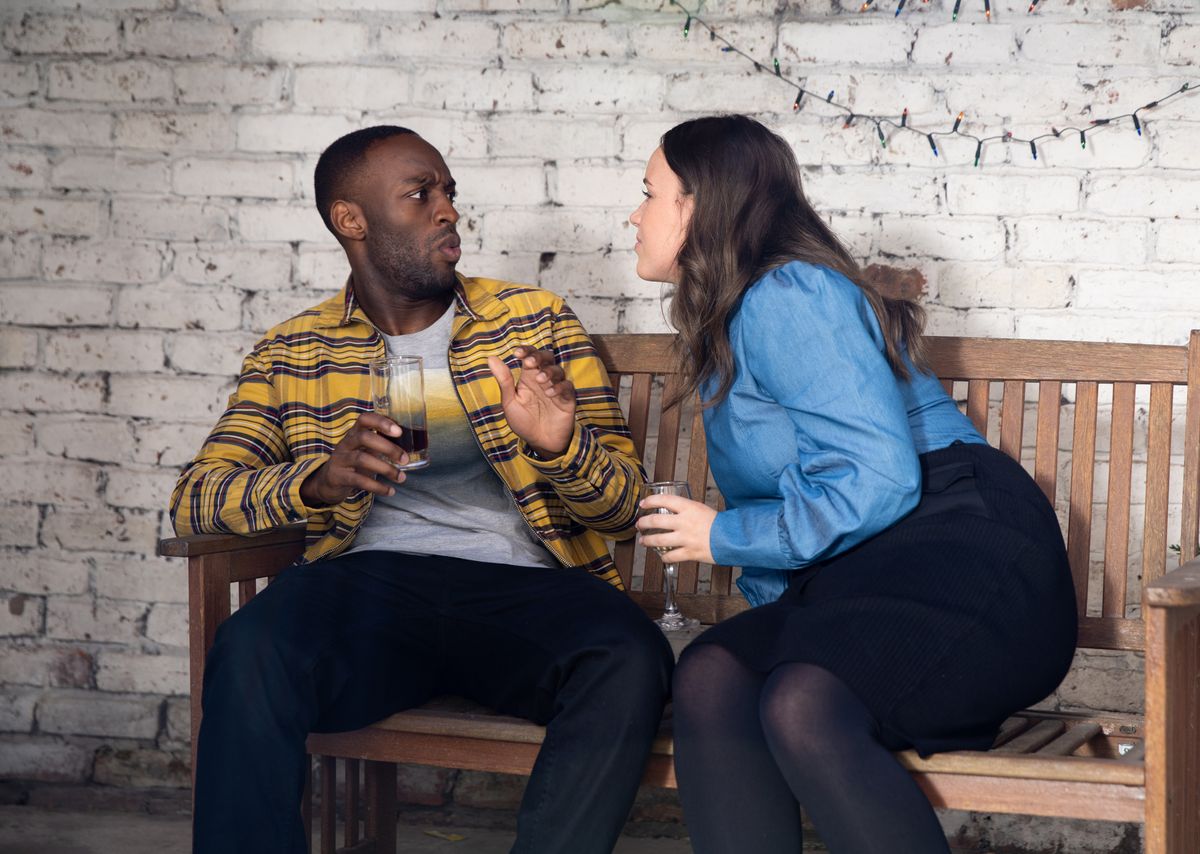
1097,425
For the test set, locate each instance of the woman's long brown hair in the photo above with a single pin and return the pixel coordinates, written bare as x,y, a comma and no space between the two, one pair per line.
750,216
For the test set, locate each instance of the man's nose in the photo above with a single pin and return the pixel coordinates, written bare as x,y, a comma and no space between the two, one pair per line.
446,212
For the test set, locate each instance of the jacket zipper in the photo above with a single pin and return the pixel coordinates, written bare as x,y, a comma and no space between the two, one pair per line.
508,491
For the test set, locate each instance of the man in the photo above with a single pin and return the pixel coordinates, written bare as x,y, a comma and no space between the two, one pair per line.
483,574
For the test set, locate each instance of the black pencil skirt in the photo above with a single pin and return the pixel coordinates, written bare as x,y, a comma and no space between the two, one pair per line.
944,624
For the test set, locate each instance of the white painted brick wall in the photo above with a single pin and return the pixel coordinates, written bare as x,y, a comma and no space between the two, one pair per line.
156,216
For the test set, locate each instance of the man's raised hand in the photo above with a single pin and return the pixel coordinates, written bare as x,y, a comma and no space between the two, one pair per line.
540,405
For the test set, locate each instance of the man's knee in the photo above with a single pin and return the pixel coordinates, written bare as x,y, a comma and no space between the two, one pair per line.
637,662
248,662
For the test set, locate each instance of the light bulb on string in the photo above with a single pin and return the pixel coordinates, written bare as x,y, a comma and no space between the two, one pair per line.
850,116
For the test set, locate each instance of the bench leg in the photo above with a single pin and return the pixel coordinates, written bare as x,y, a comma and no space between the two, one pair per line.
1172,732
380,778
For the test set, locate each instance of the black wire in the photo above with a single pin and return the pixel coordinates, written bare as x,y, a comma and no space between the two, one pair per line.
879,121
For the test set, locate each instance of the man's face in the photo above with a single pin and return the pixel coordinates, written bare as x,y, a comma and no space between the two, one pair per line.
407,197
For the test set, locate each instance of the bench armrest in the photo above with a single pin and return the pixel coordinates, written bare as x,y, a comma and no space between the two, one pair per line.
1172,703
215,562
205,544
1179,588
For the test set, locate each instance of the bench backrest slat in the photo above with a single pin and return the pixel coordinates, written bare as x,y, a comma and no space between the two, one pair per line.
1045,463
1120,475
1012,418
1099,419
1083,473
1158,471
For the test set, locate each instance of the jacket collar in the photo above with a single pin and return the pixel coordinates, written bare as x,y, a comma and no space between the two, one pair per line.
471,298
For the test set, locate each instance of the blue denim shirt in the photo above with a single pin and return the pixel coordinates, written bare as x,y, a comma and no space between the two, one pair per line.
815,447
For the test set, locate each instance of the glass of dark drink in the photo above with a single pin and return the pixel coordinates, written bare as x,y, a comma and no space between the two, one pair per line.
398,391
672,619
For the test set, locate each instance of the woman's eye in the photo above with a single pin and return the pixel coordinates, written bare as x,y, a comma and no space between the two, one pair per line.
644,193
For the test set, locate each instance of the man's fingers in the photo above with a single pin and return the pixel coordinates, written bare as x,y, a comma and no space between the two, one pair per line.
356,481
504,378
366,462
379,423
377,444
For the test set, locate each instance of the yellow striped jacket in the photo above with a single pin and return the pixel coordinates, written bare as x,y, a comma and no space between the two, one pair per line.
305,383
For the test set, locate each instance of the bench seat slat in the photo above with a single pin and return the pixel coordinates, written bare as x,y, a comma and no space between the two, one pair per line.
1011,728
454,717
1071,740
1039,735
1098,801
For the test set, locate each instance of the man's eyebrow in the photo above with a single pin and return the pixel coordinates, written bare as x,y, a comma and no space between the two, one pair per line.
421,180
427,179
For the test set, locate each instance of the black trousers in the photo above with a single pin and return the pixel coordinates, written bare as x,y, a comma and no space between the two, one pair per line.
339,644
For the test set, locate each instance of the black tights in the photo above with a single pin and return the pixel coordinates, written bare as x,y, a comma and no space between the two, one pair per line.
751,748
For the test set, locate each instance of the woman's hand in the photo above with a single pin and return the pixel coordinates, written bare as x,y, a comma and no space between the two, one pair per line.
686,527
540,406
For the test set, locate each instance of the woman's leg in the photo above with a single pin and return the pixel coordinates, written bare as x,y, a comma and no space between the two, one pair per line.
734,798
825,742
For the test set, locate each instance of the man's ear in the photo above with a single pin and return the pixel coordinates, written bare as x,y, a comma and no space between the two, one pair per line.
348,220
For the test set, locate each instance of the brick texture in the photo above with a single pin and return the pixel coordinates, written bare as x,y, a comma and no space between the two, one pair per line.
156,215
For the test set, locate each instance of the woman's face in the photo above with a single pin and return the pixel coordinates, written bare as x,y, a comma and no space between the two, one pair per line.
661,220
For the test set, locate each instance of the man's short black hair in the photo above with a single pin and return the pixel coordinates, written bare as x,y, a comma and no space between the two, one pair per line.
339,162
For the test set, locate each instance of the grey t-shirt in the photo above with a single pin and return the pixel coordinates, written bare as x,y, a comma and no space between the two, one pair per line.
456,506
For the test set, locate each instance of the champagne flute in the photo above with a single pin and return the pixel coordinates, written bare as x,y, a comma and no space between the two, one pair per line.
672,619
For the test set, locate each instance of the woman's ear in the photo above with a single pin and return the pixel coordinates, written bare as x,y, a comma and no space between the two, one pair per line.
348,220
686,204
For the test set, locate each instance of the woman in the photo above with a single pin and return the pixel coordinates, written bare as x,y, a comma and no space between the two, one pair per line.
909,582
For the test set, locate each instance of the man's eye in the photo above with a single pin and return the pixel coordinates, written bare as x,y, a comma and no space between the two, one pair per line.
452,195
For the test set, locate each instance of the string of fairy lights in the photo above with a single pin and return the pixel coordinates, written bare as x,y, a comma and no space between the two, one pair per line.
900,123
987,8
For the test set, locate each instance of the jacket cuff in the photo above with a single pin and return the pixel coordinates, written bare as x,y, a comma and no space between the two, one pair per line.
580,456
749,536
291,505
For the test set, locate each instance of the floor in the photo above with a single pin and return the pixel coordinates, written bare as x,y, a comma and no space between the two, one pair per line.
33,830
